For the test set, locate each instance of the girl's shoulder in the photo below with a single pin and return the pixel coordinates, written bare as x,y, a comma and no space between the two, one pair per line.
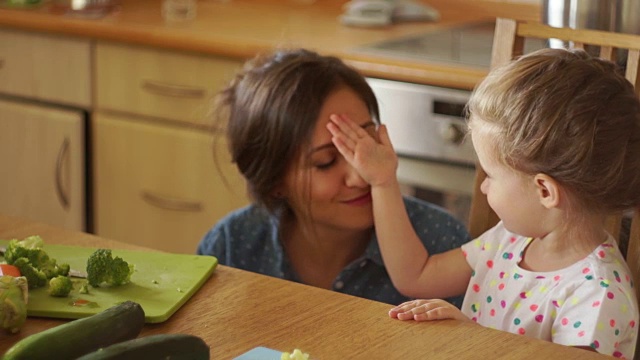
607,261
498,238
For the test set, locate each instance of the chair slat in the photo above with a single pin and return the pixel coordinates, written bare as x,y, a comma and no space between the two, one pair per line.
633,64
633,251
578,45
613,225
608,53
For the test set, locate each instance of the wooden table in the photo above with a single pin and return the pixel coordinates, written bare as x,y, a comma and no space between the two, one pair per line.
236,311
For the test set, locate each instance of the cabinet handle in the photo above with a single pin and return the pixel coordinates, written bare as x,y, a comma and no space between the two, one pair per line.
62,155
1,63
170,203
171,90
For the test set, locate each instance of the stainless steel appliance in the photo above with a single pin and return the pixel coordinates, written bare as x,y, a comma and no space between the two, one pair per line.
609,15
468,45
428,131
426,123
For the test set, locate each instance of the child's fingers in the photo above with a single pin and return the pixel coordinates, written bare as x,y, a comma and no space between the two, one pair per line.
343,143
383,136
348,127
435,313
405,311
343,149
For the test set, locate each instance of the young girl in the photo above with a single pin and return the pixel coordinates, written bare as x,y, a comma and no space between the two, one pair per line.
312,217
558,134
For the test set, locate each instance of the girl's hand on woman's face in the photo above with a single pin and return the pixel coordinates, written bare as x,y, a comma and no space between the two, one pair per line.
426,310
374,159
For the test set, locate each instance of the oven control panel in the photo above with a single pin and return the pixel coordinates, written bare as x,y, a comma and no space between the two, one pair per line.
425,122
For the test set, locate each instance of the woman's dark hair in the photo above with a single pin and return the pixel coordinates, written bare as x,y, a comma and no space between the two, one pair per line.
272,107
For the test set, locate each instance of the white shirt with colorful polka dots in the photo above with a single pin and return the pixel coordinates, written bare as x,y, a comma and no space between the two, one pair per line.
590,303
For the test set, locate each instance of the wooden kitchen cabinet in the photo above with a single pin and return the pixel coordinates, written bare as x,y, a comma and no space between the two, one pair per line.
156,180
158,185
162,84
45,89
43,67
42,155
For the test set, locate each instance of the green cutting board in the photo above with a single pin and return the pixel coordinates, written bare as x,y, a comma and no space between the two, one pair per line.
161,283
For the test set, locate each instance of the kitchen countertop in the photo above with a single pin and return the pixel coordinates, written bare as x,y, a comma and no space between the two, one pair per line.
241,28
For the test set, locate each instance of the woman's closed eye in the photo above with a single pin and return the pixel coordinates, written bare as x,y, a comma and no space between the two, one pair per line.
324,164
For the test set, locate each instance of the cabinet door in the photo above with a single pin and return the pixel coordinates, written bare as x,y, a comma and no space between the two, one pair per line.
42,155
158,185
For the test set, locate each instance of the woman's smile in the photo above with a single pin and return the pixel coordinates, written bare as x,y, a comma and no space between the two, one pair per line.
360,200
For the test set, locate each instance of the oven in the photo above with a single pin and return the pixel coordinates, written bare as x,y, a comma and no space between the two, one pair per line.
428,131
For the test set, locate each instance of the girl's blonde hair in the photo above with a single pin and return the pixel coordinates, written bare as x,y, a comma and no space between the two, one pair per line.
570,116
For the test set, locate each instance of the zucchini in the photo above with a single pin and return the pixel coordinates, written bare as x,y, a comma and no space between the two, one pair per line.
78,337
163,346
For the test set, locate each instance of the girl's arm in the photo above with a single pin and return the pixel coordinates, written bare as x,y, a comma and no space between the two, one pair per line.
413,272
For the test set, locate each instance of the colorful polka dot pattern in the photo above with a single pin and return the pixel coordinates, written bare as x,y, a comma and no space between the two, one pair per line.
590,303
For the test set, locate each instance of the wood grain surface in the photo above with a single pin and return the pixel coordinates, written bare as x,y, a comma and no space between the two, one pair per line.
236,311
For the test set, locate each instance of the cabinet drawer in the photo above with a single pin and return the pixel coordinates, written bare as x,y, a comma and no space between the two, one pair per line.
49,68
159,83
158,185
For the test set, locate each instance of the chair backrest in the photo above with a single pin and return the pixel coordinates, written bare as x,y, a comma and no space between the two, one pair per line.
508,44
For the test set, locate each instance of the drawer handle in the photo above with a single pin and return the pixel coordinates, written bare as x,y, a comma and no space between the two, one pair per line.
167,203
171,90
63,197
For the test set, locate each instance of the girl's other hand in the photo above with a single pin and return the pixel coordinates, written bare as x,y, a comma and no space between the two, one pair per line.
426,310
374,159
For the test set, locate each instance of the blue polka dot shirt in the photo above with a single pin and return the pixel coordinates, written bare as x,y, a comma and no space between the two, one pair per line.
248,239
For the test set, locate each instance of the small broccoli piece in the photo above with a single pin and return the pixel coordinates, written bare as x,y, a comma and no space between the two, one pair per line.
60,286
105,270
35,277
84,288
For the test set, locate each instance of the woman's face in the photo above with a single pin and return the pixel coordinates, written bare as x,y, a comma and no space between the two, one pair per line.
323,187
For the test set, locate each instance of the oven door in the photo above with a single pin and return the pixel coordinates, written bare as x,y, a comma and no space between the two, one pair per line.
428,131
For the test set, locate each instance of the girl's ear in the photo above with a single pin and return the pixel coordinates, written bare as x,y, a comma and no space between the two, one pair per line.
548,190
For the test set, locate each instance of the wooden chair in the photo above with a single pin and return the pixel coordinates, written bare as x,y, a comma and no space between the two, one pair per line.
508,43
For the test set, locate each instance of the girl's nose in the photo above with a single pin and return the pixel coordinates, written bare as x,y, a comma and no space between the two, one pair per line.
484,185
353,178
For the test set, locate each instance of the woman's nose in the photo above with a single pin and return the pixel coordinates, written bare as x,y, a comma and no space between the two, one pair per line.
353,178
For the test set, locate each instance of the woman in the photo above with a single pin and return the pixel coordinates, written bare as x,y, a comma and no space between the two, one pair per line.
312,218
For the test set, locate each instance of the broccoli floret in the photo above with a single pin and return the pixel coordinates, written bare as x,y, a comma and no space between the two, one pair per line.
60,286
30,248
105,270
84,288
35,277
